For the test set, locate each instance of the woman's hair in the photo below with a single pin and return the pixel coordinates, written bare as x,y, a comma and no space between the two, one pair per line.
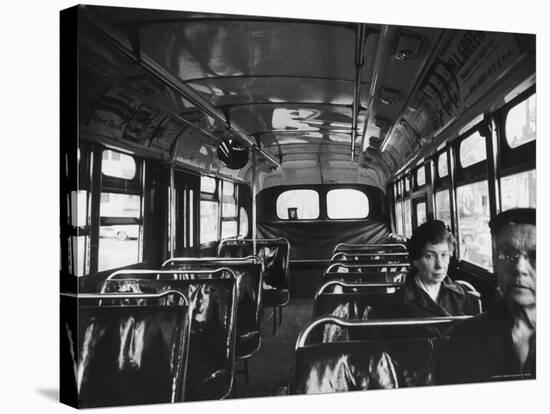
433,232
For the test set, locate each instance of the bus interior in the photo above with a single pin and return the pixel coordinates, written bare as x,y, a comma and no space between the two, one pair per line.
250,162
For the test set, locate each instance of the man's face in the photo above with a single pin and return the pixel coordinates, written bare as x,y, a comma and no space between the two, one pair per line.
515,263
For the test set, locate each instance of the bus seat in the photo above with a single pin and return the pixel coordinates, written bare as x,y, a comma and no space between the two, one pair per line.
249,272
362,365
368,301
366,277
471,290
130,353
374,258
365,364
275,254
370,248
346,267
213,294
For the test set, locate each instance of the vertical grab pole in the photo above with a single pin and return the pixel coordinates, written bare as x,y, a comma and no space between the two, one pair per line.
172,214
254,194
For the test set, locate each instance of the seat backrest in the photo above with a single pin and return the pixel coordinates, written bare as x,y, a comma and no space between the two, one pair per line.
370,248
362,365
471,290
129,353
347,267
364,302
366,277
211,364
249,272
374,258
275,254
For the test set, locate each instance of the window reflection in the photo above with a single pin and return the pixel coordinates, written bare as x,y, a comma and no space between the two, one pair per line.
521,126
519,190
472,150
473,224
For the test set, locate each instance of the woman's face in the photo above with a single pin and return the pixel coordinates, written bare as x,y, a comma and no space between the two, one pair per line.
432,265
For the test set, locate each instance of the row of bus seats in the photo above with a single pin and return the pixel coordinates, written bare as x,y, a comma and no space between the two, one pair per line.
275,255
182,327
358,338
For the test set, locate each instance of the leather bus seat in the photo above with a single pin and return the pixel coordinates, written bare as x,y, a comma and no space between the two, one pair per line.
275,254
362,365
211,366
382,362
366,277
249,272
369,303
130,353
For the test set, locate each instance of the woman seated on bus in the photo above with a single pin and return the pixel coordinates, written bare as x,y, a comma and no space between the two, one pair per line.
428,290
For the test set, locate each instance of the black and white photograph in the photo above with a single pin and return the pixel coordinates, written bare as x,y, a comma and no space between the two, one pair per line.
277,207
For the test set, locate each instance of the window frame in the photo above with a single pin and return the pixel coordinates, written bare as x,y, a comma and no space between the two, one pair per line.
346,218
321,201
103,183
519,159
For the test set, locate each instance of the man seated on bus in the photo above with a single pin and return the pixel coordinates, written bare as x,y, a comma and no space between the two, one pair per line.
500,344
428,290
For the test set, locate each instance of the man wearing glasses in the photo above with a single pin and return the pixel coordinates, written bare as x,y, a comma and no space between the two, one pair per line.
500,343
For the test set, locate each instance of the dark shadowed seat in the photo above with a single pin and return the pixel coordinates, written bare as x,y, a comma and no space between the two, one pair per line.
211,364
275,254
130,348
249,272
364,364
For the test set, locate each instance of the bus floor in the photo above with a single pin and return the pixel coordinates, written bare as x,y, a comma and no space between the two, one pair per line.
269,369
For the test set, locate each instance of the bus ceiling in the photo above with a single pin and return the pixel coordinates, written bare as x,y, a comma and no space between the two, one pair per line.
318,101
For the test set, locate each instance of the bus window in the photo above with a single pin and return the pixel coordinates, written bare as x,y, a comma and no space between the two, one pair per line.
79,255
118,165
473,224
472,150
229,229
407,229
443,206
442,167
347,203
519,190
421,176
398,218
208,185
243,222
298,205
209,221
79,208
119,232
420,213
229,210
521,123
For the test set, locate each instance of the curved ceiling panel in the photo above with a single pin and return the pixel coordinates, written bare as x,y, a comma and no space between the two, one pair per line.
242,90
197,49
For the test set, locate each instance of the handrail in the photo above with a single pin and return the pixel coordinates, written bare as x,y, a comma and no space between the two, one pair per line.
356,265
348,323
367,246
252,259
361,255
325,285
472,291
157,272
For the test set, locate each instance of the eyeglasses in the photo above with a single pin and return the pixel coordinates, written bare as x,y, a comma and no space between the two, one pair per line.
512,256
